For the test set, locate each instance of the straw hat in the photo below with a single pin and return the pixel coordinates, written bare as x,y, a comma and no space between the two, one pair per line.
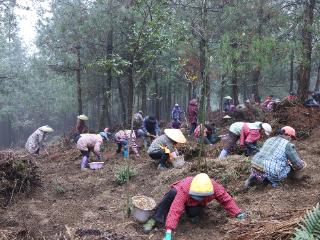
46,129
267,128
228,97
175,135
83,117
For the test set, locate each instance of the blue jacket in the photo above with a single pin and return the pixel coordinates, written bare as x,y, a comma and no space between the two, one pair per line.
149,126
176,113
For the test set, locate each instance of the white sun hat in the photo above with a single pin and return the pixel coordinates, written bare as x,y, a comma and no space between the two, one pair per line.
46,129
227,117
175,135
228,97
83,117
267,128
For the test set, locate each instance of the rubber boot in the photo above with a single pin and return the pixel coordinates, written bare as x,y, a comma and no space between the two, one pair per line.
148,226
250,181
223,154
84,162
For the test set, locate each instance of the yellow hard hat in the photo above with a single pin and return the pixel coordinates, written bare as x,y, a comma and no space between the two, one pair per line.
201,185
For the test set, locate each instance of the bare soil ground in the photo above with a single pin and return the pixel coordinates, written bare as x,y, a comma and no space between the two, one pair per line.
71,204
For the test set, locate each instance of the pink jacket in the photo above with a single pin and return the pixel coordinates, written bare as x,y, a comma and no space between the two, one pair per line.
183,199
90,141
197,131
249,135
125,135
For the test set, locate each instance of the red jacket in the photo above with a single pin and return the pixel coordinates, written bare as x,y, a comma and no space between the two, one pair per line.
291,98
183,199
249,135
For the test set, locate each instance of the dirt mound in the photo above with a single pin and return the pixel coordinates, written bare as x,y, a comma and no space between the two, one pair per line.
228,171
18,174
302,119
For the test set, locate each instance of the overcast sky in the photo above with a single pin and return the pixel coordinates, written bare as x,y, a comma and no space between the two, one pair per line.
27,22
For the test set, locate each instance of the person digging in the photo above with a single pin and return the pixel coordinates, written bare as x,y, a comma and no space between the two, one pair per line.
90,142
123,138
36,140
276,160
163,148
248,134
191,195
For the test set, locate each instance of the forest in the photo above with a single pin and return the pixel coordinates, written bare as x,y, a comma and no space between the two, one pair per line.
108,60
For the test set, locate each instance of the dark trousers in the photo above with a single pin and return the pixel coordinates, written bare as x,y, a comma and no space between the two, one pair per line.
160,155
85,153
37,152
251,148
163,207
120,144
192,128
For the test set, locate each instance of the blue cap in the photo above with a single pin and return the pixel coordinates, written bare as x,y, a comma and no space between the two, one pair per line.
104,135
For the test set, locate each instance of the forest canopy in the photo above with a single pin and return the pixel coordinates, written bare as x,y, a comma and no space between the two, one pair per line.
109,58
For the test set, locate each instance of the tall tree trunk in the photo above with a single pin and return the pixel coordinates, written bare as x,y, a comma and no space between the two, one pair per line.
234,82
208,96
222,90
169,102
317,87
203,49
190,96
305,64
255,75
122,102
144,94
291,71
130,89
107,85
157,113
78,79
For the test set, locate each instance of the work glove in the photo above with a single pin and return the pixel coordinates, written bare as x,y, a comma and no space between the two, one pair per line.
167,235
241,216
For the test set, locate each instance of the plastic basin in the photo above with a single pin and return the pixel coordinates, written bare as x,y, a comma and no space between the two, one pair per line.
96,165
178,162
142,208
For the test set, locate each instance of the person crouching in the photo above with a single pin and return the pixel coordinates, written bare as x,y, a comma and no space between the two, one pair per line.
36,140
247,133
191,195
276,159
163,147
122,138
90,142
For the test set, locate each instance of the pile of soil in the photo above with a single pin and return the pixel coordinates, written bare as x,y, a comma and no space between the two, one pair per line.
302,119
18,174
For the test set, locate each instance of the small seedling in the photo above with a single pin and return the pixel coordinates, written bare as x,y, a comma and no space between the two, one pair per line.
59,189
124,174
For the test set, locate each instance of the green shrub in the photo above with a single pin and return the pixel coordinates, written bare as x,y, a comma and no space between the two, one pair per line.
59,189
124,173
309,226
